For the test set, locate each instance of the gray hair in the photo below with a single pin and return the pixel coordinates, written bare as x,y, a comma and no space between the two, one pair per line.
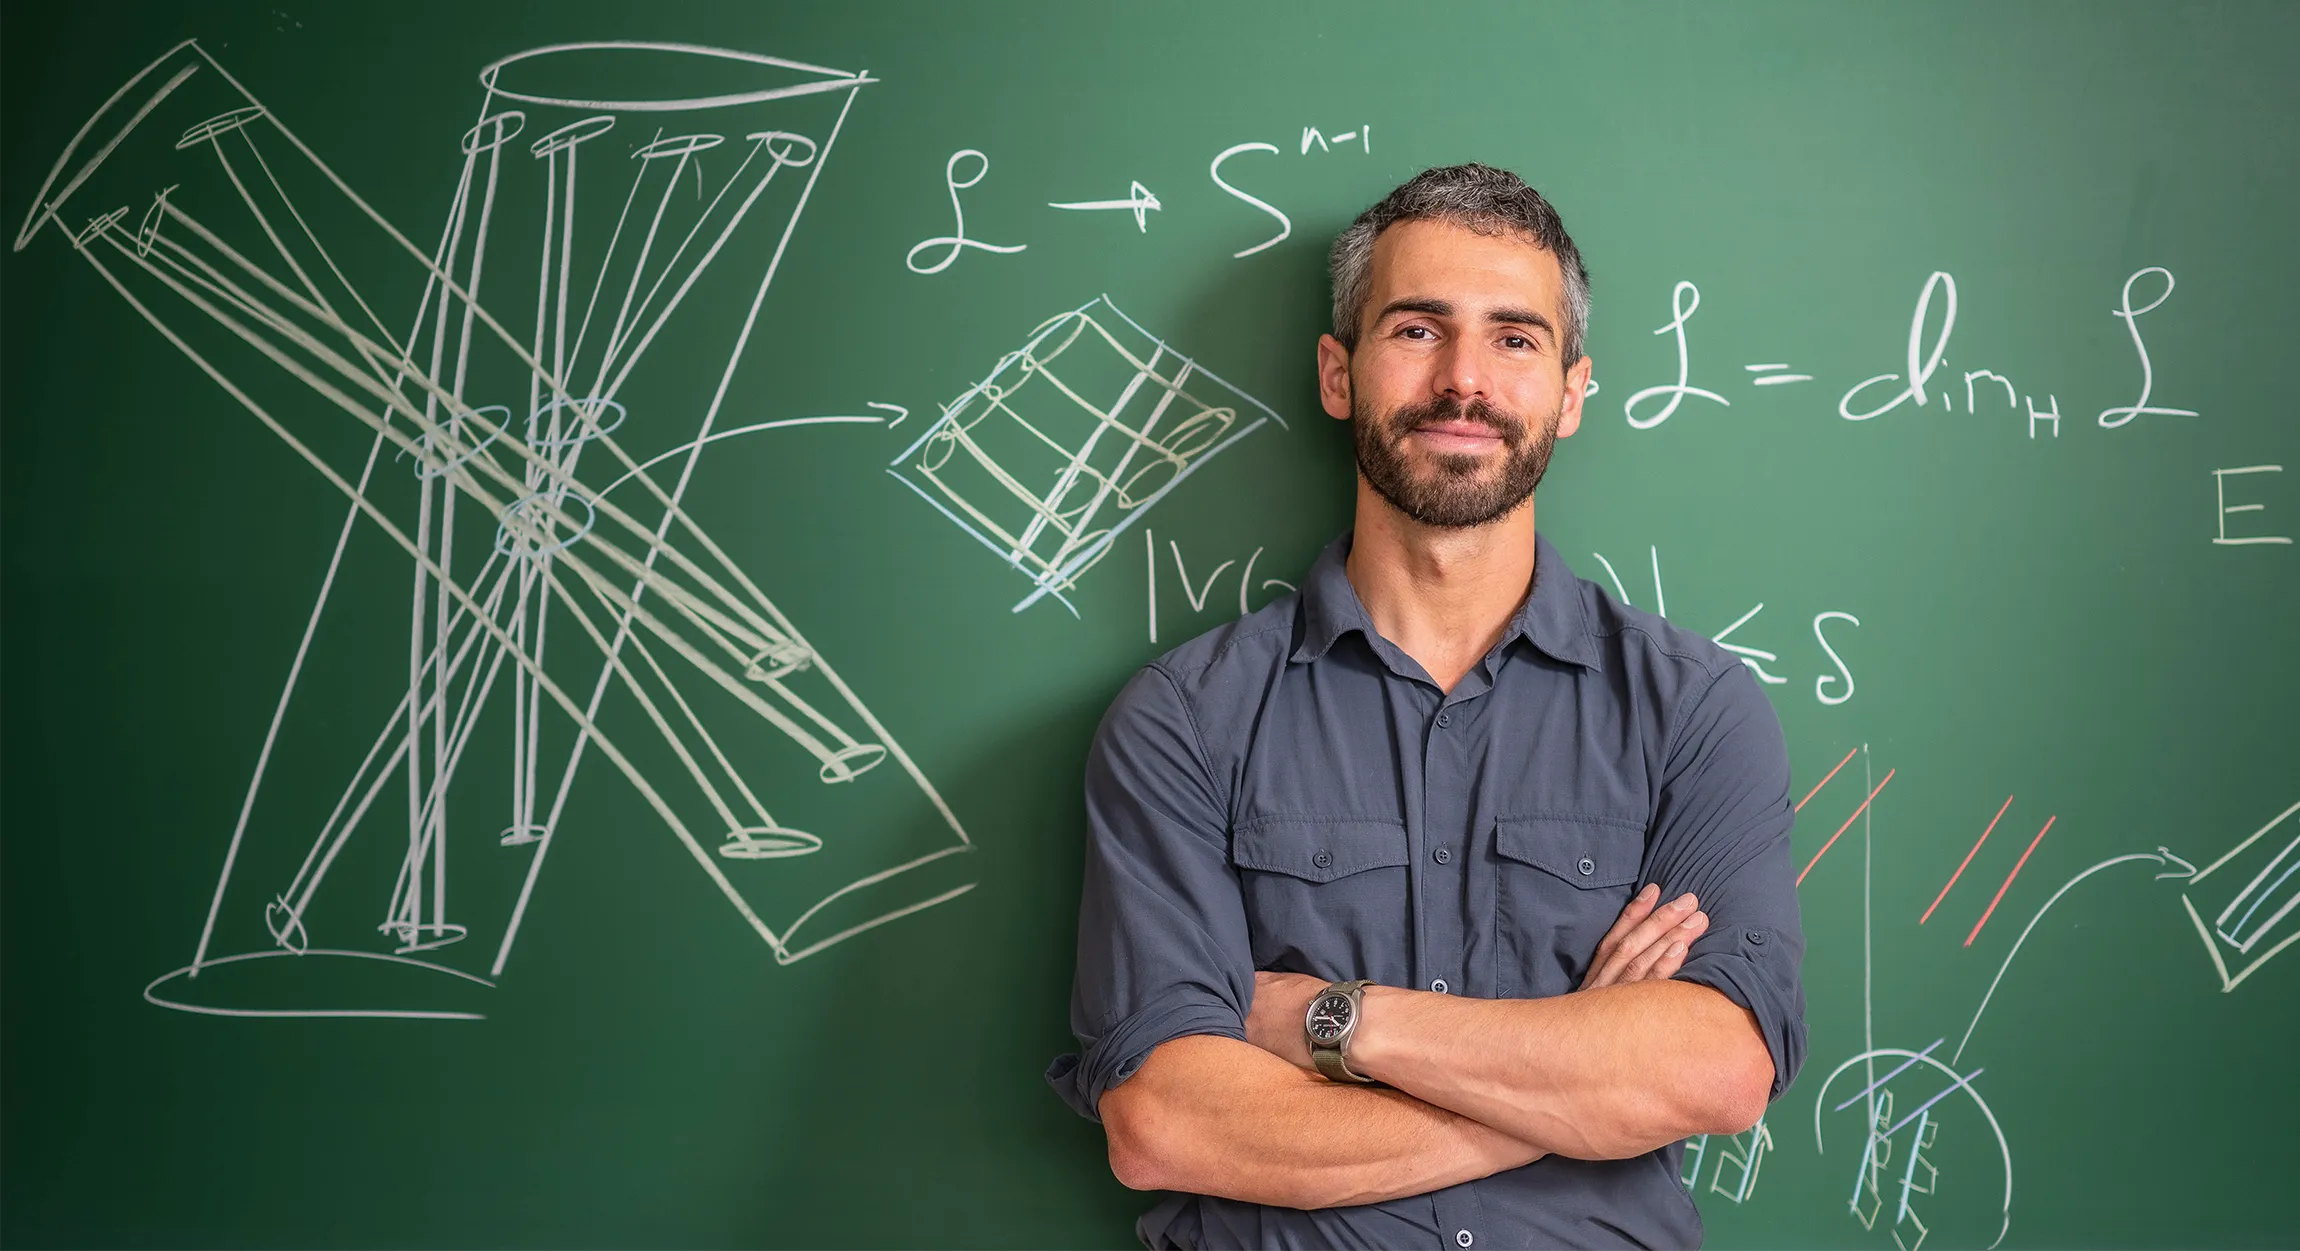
1480,198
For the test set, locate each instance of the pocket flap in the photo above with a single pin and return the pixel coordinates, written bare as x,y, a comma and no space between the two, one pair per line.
1587,852
1318,849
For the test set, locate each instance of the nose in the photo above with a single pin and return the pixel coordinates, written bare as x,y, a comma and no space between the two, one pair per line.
1461,371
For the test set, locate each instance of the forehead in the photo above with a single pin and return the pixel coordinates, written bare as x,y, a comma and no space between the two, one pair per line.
1440,260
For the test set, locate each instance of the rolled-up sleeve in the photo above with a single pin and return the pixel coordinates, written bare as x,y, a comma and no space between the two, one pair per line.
1162,944
1721,830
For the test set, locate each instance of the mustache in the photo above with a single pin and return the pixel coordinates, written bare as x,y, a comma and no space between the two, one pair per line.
1452,408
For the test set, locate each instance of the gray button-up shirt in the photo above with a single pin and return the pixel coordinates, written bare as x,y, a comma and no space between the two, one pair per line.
1292,792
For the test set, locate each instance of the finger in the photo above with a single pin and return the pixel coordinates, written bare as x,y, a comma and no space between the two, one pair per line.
1639,907
1643,936
1636,927
1670,950
1602,961
1634,942
1671,960
1640,966
1675,941
1675,947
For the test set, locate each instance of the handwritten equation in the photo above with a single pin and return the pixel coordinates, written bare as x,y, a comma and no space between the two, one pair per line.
1925,379
1914,384
967,167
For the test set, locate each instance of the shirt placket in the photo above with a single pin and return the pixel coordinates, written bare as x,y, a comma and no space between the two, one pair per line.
1413,708
1442,858
1449,756
1438,802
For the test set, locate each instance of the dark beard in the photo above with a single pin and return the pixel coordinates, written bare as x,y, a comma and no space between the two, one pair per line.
1452,496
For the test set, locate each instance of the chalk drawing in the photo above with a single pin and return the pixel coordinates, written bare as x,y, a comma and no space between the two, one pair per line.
256,260
1072,438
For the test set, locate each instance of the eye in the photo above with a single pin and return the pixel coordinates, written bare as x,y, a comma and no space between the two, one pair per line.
1415,332
1517,342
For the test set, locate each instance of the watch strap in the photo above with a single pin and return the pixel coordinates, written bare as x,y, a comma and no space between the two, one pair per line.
1336,1068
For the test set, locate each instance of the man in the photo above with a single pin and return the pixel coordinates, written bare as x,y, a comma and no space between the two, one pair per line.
1451,769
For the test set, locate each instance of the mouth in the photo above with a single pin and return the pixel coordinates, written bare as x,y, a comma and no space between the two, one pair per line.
1458,436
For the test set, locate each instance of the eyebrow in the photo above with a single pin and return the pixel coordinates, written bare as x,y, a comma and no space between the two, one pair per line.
1445,308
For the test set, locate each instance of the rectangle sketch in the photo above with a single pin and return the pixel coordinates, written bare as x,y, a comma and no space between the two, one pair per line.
527,474
1070,439
2237,938
1737,1165
1739,1157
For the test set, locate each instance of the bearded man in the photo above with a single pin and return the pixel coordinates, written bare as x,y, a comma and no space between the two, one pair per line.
1373,948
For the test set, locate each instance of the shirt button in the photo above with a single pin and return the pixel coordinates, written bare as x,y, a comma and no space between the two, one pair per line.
1442,856
1444,719
1323,859
1461,1237
1587,866
1438,986
1756,936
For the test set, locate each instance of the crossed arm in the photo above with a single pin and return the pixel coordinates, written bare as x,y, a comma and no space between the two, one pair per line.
1633,1059
1629,1062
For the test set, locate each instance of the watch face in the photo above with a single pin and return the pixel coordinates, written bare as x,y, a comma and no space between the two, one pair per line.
1329,1017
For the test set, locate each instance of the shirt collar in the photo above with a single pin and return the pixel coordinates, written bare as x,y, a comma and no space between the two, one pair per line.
1550,618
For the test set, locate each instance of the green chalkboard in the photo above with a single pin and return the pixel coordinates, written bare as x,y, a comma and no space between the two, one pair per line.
880,385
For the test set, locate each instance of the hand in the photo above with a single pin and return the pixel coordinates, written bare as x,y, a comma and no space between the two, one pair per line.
1648,942
1274,1021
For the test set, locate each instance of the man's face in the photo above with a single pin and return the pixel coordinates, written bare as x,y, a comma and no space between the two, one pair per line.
1456,390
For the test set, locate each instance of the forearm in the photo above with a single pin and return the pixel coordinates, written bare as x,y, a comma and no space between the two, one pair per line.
1217,1116
1599,1074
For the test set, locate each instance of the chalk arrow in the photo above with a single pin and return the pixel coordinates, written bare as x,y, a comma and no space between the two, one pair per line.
1140,200
2065,887
2185,870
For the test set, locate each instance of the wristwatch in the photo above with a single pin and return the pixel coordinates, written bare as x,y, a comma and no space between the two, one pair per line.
1332,1018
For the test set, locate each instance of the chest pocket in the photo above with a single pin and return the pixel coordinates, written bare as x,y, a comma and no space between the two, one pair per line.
1563,882
1325,896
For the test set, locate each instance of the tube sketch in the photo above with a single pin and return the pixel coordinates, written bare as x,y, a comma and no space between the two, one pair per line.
613,203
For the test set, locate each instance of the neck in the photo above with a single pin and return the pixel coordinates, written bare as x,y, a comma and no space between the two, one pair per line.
1443,596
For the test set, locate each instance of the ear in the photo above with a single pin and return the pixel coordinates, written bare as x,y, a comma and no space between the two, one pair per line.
1576,390
1334,377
